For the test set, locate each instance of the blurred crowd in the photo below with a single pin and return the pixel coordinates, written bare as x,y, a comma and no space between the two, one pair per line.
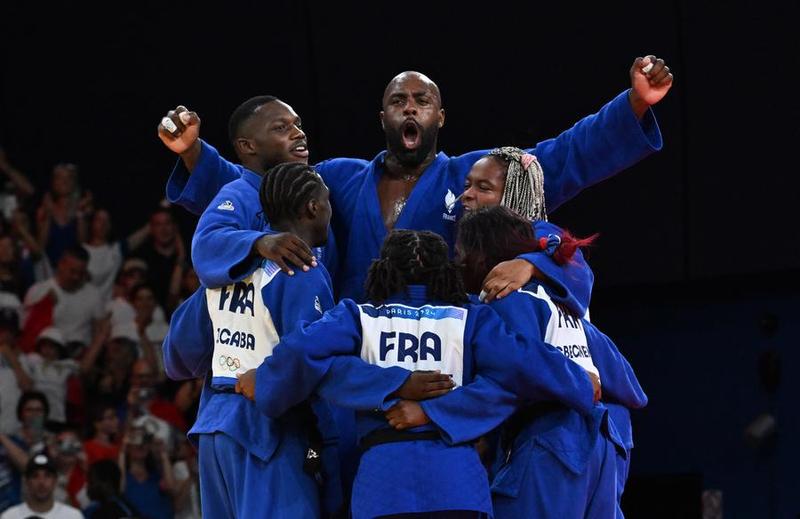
88,419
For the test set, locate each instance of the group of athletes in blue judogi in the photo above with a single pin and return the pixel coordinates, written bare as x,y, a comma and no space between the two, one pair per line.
406,336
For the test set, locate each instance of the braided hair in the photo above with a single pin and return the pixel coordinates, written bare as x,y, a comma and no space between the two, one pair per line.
286,188
415,257
524,189
492,235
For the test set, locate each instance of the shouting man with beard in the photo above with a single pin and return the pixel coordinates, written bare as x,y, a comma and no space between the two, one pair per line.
412,186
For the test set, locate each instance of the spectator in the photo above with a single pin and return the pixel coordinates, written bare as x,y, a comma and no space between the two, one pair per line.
49,370
187,492
11,269
40,484
144,399
16,188
34,265
147,474
104,443
165,256
16,450
187,397
60,217
104,488
105,254
72,304
189,284
13,379
11,457
9,478
67,452
32,413
150,323
109,360
132,274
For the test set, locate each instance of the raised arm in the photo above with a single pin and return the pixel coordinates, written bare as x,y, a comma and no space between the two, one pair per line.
20,181
601,145
201,171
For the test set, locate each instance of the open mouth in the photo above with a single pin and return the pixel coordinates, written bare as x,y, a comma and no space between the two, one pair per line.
411,135
301,150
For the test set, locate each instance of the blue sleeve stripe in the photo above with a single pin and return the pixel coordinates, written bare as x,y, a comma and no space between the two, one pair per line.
405,312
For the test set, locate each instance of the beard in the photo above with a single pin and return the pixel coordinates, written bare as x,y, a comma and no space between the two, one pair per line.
411,157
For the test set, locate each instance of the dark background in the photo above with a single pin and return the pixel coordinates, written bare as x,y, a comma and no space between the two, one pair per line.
698,264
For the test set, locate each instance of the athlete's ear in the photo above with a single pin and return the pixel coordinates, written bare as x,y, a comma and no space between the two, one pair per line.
312,208
380,116
441,117
244,147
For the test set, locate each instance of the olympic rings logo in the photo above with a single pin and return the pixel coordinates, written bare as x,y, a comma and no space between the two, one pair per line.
232,363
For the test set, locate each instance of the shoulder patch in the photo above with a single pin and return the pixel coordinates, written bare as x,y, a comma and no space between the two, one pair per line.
317,304
227,205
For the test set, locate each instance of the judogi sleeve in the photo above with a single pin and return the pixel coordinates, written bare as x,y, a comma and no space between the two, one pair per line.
619,382
597,147
194,189
470,411
223,241
189,344
303,357
521,362
353,383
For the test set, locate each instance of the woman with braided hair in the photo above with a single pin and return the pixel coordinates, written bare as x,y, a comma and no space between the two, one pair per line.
554,461
513,178
419,456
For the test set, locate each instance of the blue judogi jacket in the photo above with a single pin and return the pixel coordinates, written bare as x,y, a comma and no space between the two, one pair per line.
566,434
411,332
221,333
597,147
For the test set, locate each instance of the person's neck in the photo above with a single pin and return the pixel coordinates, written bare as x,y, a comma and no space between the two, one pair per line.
254,166
299,230
41,507
102,437
395,168
97,241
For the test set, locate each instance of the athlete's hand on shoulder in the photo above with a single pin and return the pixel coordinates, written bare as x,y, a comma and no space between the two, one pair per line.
405,414
425,384
506,277
285,249
650,82
246,384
